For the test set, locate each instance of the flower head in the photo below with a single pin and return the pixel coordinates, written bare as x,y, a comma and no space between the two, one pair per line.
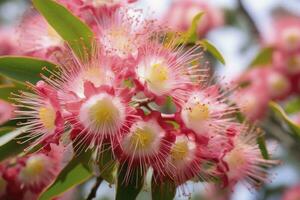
244,160
207,110
183,161
42,111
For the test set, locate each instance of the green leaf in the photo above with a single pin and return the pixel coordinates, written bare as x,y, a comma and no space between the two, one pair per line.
68,26
263,58
191,35
9,145
262,146
76,172
280,112
23,68
129,187
207,45
293,106
168,107
163,191
107,164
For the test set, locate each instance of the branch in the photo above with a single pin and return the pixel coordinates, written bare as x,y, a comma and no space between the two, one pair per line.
93,192
252,23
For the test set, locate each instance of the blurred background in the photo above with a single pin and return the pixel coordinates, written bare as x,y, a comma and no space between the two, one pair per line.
246,26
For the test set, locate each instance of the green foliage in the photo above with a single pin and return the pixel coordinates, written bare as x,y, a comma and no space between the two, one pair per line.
78,35
163,191
208,46
283,116
191,35
292,106
9,145
262,146
23,68
76,172
107,164
129,187
263,58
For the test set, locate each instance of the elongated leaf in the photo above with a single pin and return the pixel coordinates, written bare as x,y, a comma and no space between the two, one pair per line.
212,49
280,112
23,68
263,58
262,146
68,26
163,191
76,172
191,35
292,106
129,187
9,146
107,164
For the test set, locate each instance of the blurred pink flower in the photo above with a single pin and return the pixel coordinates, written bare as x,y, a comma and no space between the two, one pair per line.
292,193
8,43
181,13
6,111
286,33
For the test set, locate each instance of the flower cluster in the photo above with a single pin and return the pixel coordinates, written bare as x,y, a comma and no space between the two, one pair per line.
27,176
144,96
281,78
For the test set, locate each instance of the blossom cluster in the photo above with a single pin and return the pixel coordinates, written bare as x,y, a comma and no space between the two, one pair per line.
138,93
281,78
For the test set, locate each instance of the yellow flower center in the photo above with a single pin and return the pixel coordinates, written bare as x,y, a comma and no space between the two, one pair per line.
35,166
235,159
292,37
157,77
179,151
103,113
142,138
47,116
294,64
199,112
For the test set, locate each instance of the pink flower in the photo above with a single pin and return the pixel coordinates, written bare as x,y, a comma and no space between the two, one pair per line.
183,162
286,33
38,38
6,111
243,160
43,113
253,102
8,45
167,70
120,34
205,111
292,193
287,62
181,13
145,144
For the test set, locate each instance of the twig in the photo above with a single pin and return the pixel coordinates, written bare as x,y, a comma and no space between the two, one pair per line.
252,23
93,192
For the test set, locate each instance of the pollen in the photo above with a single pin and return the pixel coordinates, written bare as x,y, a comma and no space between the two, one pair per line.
158,74
236,159
103,113
35,167
179,151
292,37
142,138
199,112
47,116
